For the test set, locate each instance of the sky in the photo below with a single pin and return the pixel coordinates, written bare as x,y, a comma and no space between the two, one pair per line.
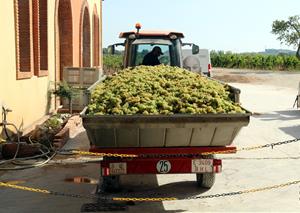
229,25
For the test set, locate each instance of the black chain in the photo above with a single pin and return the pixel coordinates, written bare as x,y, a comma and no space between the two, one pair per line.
280,143
73,195
214,196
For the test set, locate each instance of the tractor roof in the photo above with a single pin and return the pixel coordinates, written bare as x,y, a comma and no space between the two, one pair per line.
151,34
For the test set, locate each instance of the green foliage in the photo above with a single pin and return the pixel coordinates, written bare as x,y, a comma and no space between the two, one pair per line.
54,123
65,91
288,32
46,132
152,90
113,62
254,61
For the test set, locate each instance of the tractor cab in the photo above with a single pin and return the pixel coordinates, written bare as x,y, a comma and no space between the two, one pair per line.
138,44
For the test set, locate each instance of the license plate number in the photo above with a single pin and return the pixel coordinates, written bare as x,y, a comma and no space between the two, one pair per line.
118,168
202,165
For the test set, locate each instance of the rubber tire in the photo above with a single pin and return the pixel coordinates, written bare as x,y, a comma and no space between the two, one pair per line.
110,184
206,180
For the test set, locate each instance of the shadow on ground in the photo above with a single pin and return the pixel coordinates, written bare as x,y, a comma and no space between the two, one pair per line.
143,186
80,142
284,115
292,130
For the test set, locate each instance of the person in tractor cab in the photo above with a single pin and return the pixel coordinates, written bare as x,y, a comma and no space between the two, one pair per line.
151,59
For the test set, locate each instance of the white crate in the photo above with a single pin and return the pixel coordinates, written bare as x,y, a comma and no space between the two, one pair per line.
80,78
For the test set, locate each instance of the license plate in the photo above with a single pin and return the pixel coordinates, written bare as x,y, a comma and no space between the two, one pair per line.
117,168
202,165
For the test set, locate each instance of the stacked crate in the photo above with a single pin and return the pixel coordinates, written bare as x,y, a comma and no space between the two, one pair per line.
80,78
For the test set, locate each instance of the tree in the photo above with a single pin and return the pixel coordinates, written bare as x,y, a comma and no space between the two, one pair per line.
288,32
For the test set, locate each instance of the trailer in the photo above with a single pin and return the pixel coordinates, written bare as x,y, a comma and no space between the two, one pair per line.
162,144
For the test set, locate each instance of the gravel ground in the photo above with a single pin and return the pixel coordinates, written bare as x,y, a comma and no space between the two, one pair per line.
288,79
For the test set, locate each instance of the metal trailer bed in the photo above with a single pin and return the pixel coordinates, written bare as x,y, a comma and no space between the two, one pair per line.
163,143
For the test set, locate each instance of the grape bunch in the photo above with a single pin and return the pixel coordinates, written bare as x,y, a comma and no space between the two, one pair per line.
154,90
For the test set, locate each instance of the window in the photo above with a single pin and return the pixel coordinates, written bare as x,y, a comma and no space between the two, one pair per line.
43,38
143,49
23,39
40,37
32,38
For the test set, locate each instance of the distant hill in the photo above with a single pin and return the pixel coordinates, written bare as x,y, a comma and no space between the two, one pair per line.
117,52
278,51
273,52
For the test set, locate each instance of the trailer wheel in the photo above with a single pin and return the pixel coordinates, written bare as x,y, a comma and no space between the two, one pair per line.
110,184
206,180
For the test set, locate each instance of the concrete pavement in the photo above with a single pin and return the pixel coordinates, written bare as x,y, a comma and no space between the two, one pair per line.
274,121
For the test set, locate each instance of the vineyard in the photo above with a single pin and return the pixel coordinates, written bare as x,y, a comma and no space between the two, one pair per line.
113,63
254,61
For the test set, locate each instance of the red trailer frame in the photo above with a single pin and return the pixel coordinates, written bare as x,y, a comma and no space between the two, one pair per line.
165,160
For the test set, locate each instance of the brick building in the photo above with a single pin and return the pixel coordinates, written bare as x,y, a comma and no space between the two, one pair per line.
38,39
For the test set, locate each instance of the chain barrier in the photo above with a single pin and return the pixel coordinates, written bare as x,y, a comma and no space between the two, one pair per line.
138,199
272,145
24,188
149,199
44,191
102,154
247,191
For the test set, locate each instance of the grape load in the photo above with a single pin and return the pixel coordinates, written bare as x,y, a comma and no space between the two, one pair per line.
156,90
